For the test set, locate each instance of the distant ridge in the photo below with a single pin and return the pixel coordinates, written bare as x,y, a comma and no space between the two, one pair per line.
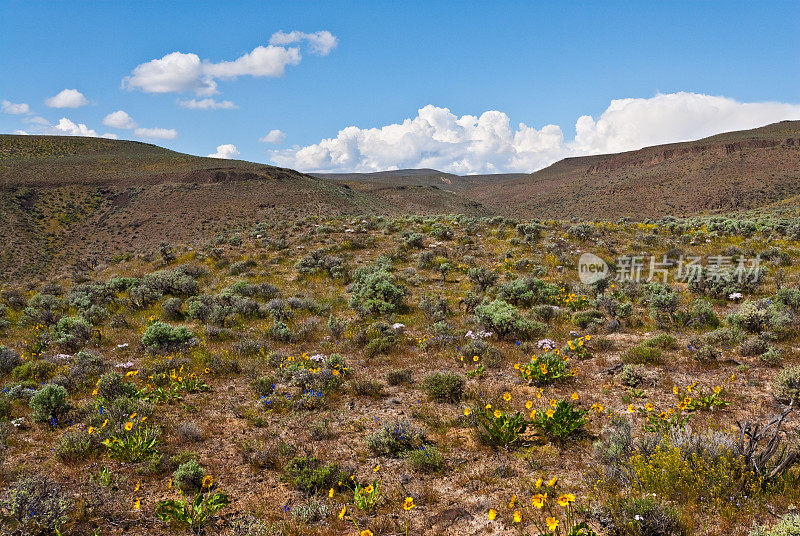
66,200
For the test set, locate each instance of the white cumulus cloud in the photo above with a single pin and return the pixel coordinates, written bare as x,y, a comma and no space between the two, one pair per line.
225,151
319,42
68,98
180,72
156,133
15,109
65,127
436,138
207,104
273,136
119,119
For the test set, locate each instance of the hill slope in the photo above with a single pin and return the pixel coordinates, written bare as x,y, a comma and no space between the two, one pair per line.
724,173
729,172
65,200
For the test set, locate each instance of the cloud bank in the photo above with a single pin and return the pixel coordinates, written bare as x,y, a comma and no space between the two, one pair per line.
436,138
156,133
68,98
273,136
207,104
225,151
179,72
119,119
15,108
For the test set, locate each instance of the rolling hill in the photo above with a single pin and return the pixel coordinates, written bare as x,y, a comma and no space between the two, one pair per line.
730,172
66,201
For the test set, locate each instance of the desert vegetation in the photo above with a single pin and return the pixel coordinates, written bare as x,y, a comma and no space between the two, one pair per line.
408,375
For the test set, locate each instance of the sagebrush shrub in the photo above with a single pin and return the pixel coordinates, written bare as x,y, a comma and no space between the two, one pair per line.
188,477
787,385
444,386
34,505
49,404
504,319
9,360
395,437
161,336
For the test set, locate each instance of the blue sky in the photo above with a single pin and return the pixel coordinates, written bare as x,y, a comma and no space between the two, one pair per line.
541,64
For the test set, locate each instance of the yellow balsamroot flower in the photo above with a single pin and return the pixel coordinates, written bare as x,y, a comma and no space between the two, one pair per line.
408,504
687,400
550,413
369,489
492,514
208,481
574,396
528,404
169,486
343,512
513,501
589,337
366,533
553,481
128,426
138,486
206,371
538,500
376,469
675,390
497,414
630,408
507,396
532,414
517,516
137,504
717,389
91,430
552,523
539,483
543,368
94,393
467,412
517,365
565,499
488,406
330,493
553,402
648,406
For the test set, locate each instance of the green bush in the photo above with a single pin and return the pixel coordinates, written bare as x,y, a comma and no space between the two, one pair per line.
426,459
35,505
395,438
444,386
112,385
787,385
375,291
528,291
584,319
504,319
311,476
9,360
74,446
37,371
161,336
188,477
72,332
49,404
